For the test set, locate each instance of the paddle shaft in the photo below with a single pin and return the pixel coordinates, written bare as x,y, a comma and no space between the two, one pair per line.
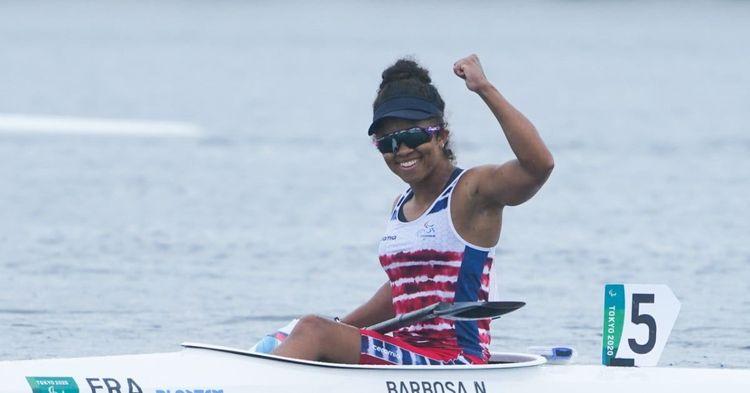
457,311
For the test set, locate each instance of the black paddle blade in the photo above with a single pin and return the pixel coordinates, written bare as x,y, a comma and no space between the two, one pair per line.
477,310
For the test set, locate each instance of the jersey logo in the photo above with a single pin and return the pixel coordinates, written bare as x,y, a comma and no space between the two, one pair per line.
428,231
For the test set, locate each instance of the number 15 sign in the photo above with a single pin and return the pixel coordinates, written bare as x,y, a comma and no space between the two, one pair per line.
637,322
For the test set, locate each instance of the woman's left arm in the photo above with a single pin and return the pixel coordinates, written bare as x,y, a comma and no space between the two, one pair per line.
515,181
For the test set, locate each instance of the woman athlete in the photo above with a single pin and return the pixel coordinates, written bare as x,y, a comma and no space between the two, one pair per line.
442,232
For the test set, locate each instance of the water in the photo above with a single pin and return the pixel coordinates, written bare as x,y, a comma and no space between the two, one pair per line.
132,245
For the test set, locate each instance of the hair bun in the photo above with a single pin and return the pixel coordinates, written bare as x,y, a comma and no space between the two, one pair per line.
405,69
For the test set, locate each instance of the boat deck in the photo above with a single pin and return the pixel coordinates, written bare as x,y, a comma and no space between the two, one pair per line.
498,360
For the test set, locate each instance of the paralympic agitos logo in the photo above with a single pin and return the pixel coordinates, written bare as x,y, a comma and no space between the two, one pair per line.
428,231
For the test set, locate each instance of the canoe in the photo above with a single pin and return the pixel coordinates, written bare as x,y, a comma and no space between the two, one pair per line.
202,368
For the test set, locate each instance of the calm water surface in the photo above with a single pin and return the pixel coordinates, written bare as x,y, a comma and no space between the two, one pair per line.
113,245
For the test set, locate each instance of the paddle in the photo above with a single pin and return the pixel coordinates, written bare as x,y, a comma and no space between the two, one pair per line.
461,311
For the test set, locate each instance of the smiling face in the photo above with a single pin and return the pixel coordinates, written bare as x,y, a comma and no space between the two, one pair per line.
414,165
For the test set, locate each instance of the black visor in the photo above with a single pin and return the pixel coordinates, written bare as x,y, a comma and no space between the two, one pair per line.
409,108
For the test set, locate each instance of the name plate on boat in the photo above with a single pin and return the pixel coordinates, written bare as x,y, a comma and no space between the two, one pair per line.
638,319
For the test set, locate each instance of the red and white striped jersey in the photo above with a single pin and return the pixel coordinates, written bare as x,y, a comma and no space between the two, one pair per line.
428,262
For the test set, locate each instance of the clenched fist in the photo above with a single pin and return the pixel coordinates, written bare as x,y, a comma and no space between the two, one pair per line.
470,69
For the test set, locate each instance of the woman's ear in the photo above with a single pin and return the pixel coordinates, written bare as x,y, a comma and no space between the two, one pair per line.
442,137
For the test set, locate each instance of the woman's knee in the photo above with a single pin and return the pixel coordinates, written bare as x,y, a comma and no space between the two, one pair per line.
311,325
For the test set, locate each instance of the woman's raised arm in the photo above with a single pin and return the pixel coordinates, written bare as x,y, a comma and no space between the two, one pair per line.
515,181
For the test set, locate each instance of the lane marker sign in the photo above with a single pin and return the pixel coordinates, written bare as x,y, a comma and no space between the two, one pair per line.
638,319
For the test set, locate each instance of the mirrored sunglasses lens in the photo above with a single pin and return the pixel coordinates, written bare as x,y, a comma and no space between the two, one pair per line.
385,145
414,139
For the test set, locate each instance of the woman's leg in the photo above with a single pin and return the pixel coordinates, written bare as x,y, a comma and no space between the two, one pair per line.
317,338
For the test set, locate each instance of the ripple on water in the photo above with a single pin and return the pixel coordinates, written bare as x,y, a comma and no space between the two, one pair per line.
19,311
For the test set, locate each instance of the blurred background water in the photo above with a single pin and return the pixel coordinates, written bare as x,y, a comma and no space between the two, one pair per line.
114,245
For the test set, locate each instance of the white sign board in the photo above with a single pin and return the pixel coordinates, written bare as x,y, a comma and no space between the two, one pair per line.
637,321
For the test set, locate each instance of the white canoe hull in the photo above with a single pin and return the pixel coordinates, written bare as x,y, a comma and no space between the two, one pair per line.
208,369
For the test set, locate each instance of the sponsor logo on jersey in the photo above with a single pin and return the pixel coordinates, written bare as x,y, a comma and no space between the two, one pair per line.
385,352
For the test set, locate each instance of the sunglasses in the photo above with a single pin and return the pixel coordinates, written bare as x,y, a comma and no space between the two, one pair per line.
411,137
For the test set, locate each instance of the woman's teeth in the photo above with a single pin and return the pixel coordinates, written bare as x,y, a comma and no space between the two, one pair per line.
408,164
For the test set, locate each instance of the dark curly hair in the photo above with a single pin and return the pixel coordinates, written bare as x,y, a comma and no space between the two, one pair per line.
407,78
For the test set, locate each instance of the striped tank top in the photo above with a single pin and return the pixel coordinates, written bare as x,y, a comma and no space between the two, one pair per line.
428,262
